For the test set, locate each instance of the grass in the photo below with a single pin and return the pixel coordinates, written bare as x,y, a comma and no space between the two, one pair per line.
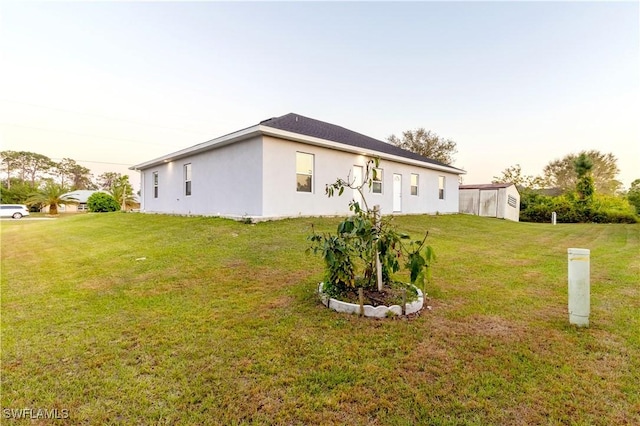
145,319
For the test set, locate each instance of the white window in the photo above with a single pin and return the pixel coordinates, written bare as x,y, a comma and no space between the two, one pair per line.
187,179
155,184
414,184
377,181
304,172
441,187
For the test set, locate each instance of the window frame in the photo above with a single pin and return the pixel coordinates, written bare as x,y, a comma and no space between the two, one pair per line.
310,175
156,185
379,174
441,187
412,186
187,179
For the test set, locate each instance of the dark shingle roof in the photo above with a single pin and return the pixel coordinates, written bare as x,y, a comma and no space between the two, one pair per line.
296,123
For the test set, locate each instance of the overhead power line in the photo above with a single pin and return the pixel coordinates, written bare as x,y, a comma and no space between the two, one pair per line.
82,134
124,120
96,162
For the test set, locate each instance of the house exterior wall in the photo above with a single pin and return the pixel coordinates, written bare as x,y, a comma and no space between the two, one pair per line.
280,197
62,208
224,181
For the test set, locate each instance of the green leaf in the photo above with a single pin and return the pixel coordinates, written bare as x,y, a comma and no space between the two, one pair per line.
429,254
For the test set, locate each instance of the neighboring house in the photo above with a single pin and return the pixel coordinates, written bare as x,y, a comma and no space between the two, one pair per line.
501,200
279,168
81,196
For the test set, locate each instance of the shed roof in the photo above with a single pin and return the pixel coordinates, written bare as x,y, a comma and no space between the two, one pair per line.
486,186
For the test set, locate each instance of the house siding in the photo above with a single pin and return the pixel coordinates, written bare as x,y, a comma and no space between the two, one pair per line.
280,197
225,181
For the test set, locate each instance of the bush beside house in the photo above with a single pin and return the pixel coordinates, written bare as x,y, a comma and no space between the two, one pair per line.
101,202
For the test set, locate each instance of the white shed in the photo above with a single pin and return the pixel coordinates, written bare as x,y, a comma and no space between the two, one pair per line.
501,200
279,168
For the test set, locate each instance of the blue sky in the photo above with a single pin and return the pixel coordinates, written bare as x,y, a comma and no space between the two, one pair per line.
119,83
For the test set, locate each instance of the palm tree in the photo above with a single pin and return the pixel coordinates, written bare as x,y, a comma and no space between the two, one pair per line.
51,195
122,191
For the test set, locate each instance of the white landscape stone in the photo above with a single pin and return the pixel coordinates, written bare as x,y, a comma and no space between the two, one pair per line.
369,311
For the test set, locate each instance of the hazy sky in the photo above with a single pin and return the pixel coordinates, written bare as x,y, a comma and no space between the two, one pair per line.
112,84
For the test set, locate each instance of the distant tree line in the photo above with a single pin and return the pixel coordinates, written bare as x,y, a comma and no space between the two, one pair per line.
580,187
38,181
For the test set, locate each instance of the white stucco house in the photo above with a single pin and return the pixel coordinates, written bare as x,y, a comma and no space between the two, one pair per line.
501,200
279,168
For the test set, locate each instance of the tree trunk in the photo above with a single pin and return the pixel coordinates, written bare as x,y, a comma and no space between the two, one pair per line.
376,211
53,209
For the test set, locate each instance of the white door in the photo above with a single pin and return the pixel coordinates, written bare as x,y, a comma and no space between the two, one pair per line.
356,180
397,193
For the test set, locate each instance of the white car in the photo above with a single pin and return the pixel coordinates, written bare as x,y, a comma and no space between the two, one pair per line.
15,211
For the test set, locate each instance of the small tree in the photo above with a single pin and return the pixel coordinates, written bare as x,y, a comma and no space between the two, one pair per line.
585,187
122,191
51,195
514,175
107,179
101,202
367,245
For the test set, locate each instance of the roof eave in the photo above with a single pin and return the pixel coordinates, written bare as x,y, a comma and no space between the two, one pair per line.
240,135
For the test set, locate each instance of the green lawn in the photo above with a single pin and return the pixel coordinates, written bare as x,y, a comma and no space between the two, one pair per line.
149,319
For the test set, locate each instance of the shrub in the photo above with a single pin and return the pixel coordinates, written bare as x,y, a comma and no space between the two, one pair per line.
101,202
603,209
535,207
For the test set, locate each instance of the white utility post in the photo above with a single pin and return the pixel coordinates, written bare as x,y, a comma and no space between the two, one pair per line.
554,216
579,286
376,212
